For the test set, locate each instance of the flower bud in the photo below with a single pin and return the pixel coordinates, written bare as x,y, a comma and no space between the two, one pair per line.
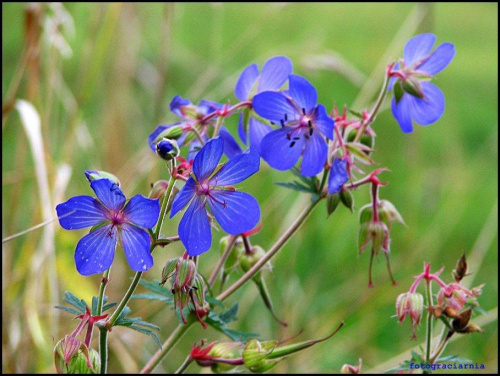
347,199
347,369
167,149
412,304
453,296
247,260
168,270
375,233
332,203
220,356
413,87
255,355
171,133
158,189
96,175
388,213
73,357
366,139
185,271
460,270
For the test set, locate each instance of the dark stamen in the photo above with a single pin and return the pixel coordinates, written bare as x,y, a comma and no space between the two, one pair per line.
293,143
272,122
304,111
288,136
311,132
286,117
296,138
282,123
309,123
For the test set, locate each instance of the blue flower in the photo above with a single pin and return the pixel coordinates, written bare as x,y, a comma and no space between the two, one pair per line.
274,74
303,123
338,176
193,116
421,101
112,221
236,212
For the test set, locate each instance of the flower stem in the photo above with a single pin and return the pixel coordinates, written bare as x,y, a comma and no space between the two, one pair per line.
274,249
222,260
184,365
167,346
102,287
217,126
123,303
429,322
164,204
375,109
103,349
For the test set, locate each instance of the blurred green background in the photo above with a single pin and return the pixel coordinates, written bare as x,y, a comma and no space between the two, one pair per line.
101,77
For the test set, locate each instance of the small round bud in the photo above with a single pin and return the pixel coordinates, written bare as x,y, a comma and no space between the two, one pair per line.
247,260
158,189
167,149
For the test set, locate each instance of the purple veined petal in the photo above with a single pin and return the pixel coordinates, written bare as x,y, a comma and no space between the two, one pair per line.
273,106
429,109
241,129
281,148
182,198
231,147
314,158
194,148
323,122
303,93
236,212
402,113
274,74
95,251
440,58
237,169
338,176
207,107
109,194
142,211
153,136
136,244
245,82
257,131
194,228
87,211
207,158
176,104
418,47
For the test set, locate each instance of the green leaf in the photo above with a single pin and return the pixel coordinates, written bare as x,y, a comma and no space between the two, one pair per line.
230,314
153,296
70,310
219,322
214,302
80,304
108,306
147,332
310,182
296,186
356,113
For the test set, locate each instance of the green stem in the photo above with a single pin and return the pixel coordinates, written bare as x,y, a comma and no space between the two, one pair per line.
103,349
184,365
217,126
164,204
429,322
323,180
222,260
167,345
274,249
123,303
375,109
102,287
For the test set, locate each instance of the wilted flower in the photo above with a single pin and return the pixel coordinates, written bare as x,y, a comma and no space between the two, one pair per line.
412,304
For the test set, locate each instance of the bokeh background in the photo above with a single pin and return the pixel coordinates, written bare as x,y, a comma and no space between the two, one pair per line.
101,77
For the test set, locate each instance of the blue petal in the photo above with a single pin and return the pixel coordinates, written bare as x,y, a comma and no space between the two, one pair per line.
239,213
323,122
273,106
402,113
303,93
153,136
142,211
194,228
109,194
315,153
245,82
277,149
241,129
177,103
274,74
440,58
207,158
257,131
136,244
87,212
95,251
418,47
231,147
207,107
182,198
237,169
194,148
429,109
338,176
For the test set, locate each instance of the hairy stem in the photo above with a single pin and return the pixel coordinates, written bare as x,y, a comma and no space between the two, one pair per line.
187,362
429,322
103,349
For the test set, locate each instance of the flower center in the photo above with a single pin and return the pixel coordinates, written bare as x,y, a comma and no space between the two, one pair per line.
118,219
203,188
